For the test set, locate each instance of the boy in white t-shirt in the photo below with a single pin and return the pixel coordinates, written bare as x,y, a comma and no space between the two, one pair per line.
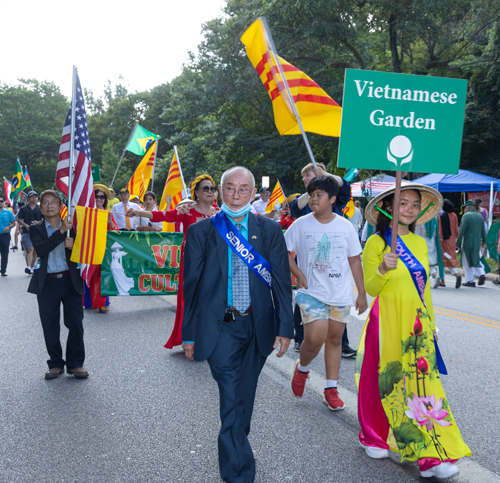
326,245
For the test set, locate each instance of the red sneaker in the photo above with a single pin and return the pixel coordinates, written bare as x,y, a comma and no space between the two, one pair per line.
332,400
299,381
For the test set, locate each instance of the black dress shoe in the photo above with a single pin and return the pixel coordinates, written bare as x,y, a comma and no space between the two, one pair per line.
4,274
481,280
54,372
469,284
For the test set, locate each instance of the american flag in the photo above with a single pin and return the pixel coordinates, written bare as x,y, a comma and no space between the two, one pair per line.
82,183
82,189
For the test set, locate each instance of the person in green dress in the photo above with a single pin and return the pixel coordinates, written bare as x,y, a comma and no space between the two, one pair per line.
471,236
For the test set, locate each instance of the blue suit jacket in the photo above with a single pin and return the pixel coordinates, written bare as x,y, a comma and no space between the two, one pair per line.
205,286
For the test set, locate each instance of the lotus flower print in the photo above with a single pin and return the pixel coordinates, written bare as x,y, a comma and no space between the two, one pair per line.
426,411
417,328
422,366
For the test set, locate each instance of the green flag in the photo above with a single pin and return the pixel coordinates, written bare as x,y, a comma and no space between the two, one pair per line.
351,174
140,140
18,183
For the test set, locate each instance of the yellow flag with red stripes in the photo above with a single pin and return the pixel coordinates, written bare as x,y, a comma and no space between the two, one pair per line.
277,195
139,181
318,112
173,187
349,209
64,212
91,234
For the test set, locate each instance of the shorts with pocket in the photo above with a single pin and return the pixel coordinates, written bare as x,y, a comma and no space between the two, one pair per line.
312,309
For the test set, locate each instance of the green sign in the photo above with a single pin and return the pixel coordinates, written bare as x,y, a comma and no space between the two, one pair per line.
398,122
141,263
96,173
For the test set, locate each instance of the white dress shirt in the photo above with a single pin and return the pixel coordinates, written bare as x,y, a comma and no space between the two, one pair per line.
119,211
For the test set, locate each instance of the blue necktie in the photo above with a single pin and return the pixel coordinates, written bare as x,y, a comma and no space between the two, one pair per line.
241,289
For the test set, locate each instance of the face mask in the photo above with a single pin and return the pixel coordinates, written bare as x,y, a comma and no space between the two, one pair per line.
236,214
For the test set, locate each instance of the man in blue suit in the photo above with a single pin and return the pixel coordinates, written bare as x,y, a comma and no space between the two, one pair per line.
231,316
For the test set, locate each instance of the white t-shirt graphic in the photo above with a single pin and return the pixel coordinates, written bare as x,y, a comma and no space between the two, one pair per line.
322,256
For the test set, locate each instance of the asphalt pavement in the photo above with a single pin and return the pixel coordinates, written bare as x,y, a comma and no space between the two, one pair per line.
146,414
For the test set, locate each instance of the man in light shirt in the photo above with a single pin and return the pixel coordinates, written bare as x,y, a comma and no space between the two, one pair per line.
259,207
125,223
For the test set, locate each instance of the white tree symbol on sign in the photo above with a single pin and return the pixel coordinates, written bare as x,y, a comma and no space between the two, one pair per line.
401,149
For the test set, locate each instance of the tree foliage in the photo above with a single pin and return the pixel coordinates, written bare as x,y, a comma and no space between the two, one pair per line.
219,114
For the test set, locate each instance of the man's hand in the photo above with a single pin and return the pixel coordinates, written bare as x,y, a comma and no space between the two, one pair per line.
284,342
189,350
361,303
66,225
6,229
319,171
68,243
131,213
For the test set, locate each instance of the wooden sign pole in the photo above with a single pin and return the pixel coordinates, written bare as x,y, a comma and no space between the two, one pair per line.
395,212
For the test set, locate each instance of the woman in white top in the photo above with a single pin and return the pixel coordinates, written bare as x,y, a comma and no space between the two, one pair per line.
145,224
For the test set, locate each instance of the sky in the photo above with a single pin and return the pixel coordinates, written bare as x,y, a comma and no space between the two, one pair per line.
144,42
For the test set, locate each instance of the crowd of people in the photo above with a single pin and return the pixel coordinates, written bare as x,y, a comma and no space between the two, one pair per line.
235,302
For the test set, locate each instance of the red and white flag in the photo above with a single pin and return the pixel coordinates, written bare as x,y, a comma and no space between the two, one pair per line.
82,185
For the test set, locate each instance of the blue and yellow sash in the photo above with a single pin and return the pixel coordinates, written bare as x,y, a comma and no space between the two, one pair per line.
419,278
241,246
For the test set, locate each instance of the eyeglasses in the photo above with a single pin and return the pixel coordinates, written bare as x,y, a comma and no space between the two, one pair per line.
243,192
207,188
100,197
50,203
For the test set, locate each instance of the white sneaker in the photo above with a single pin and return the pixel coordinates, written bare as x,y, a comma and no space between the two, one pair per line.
441,471
437,282
374,452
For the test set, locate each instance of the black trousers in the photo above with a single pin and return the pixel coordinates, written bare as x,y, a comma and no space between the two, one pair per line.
4,250
236,364
55,292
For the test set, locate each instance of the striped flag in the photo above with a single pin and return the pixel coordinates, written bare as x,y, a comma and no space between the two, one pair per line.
139,181
277,195
27,178
64,212
90,242
7,187
174,187
318,112
82,189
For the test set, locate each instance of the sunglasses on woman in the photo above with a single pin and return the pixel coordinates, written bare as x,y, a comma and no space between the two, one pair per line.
100,197
207,188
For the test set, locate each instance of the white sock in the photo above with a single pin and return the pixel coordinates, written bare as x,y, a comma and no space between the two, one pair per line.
303,368
331,383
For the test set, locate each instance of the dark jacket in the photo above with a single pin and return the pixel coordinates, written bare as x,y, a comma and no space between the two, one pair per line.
43,245
205,306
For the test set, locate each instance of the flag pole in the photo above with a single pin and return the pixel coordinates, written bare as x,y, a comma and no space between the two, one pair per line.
395,212
124,151
154,163
72,142
287,88
180,171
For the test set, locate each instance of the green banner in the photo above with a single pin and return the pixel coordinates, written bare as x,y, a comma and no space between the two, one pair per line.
141,263
399,122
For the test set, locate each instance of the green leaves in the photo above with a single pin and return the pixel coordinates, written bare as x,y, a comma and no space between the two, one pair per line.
389,377
407,434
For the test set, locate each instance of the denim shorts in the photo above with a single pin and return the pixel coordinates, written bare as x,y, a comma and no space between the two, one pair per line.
312,309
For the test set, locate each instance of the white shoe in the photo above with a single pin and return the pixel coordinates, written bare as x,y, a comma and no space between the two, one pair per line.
441,471
374,452
437,282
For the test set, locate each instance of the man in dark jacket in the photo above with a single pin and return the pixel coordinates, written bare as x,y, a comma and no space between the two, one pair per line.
237,309
56,279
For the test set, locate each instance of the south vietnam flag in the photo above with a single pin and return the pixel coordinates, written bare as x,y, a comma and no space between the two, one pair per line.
276,196
318,112
64,212
92,231
139,181
173,187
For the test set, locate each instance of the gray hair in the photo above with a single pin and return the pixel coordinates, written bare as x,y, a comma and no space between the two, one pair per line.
237,169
